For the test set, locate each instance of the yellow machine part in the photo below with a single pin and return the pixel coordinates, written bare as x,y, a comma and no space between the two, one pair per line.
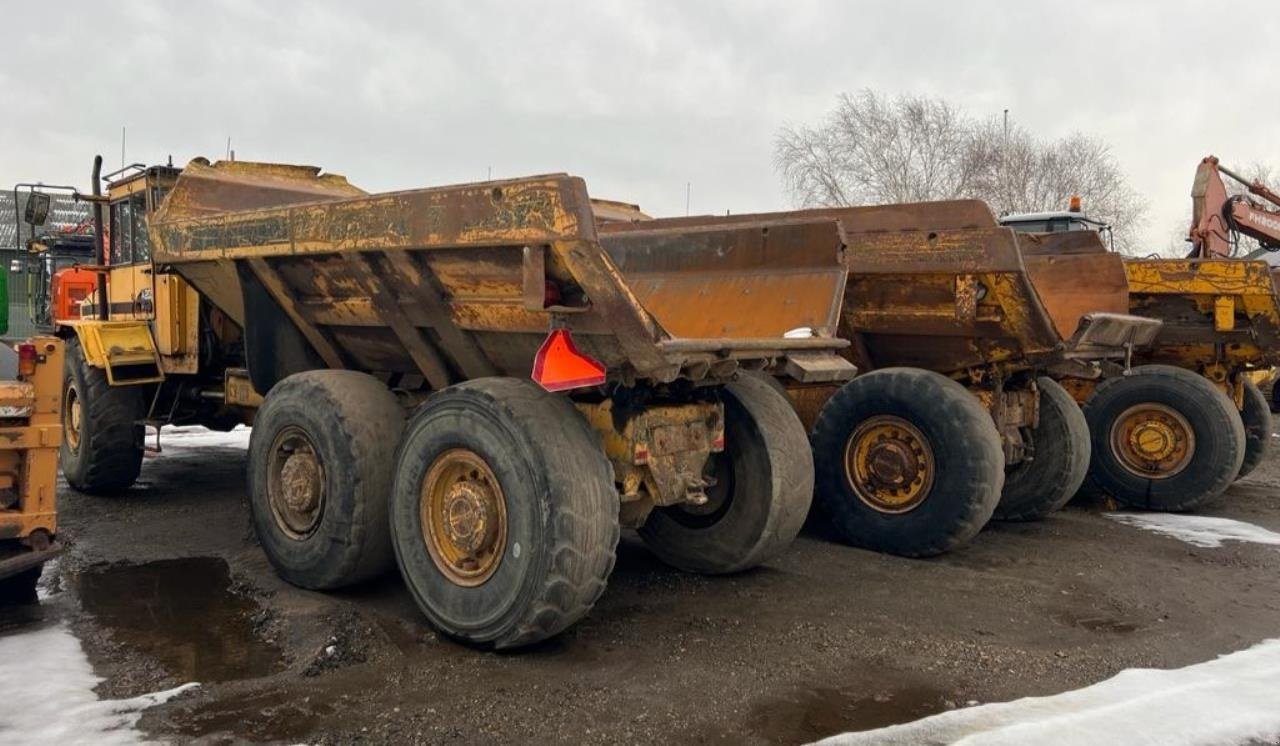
30,434
658,454
1263,377
1221,315
124,349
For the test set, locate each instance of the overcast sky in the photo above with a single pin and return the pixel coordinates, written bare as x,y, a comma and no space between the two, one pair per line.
639,98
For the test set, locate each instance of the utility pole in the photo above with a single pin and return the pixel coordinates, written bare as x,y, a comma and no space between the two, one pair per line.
688,194
1006,126
122,134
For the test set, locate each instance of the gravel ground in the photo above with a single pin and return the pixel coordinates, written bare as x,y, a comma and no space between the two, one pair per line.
166,585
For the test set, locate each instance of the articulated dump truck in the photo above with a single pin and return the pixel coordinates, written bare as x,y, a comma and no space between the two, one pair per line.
1188,419
1192,420
383,345
961,415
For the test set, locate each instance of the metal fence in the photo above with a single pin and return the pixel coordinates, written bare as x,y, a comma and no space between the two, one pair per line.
64,214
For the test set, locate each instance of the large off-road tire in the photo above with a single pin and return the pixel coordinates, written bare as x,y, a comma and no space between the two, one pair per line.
504,514
321,455
1257,421
102,442
1060,441
908,462
762,492
1163,438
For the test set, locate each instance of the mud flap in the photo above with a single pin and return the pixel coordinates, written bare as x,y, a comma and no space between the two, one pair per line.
1112,334
819,367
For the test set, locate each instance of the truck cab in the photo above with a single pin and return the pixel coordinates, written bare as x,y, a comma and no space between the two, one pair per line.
1057,221
144,349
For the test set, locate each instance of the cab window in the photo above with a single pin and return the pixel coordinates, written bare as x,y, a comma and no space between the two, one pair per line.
122,232
129,240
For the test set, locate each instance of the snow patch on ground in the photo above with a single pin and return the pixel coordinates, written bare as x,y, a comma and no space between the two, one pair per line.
1234,699
46,694
190,436
1200,530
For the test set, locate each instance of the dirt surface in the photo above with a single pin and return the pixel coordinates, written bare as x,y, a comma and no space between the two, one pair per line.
165,585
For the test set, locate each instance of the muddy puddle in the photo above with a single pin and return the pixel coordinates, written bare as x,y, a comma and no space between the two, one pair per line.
182,613
269,717
811,714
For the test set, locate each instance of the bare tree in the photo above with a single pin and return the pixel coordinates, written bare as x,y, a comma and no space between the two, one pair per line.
1017,172
872,150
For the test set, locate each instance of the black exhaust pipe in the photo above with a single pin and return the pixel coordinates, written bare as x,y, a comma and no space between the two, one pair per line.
100,246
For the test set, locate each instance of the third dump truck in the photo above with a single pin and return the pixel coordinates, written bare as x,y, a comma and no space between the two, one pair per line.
1190,418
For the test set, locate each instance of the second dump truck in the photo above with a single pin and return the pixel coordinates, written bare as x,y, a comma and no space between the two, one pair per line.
957,415
456,380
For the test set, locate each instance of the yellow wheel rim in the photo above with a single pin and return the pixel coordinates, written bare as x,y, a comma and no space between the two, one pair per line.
295,483
464,517
889,464
71,418
1153,441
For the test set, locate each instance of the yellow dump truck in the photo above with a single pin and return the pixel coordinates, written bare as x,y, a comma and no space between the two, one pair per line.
959,416
456,380
1189,418
30,433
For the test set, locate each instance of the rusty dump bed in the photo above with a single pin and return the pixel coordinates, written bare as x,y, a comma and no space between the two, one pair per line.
457,282
942,286
1215,311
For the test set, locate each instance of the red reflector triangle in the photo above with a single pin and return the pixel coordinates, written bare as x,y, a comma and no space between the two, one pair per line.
559,366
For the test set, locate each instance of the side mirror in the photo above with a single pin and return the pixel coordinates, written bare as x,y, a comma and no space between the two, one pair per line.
37,212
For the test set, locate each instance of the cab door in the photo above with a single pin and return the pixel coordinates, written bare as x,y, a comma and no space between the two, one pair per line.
129,288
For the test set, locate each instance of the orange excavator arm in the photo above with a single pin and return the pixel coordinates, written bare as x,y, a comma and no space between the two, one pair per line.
1217,215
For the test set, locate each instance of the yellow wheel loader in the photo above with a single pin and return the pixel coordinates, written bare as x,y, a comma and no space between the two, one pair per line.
30,433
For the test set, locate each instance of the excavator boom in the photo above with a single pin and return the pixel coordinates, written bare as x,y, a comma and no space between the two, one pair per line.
1217,216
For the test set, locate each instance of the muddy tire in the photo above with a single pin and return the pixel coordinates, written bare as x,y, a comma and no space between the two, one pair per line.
1033,489
321,455
1257,421
101,451
763,490
20,588
923,453
504,514
1163,438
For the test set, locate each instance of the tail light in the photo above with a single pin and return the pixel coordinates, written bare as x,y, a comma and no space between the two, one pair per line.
26,360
